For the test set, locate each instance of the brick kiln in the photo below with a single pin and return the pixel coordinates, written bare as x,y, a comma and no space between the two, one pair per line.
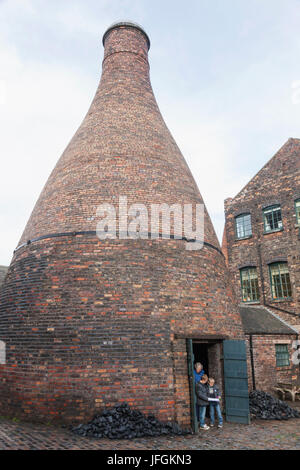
90,323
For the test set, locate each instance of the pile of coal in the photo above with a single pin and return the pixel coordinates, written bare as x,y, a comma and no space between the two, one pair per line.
122,422
265,406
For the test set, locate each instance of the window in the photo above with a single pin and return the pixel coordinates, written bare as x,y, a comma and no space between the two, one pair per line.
280,281
243,227
282,355
297,207
249,282
272,219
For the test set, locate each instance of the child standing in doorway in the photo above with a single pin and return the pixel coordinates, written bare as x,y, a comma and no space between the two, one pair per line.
214,402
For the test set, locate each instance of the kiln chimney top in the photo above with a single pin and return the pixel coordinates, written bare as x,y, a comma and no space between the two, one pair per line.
126,24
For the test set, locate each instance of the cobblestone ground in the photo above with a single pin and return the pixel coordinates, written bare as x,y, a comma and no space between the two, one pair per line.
275,435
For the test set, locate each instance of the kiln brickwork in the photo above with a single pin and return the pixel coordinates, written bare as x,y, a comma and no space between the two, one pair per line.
92,323
277,184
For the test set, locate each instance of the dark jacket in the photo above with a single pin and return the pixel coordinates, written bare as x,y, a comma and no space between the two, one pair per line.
213,392
202,394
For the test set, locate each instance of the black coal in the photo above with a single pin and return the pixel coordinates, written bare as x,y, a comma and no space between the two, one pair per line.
265,406
122,422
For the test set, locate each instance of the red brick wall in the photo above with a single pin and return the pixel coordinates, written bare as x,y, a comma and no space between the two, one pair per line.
267,374
181,383
89,324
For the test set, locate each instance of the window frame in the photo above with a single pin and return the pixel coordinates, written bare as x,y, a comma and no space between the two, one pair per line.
244,269
279,263
285,355
239,216
297,213
268,208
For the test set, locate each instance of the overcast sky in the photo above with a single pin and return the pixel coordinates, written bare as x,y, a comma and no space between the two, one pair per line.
226,75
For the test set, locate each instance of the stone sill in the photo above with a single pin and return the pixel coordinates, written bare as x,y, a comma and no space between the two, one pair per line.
244,238
273,231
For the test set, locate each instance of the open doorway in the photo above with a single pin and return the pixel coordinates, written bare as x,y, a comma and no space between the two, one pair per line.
200,351
226,362
209,353
210,356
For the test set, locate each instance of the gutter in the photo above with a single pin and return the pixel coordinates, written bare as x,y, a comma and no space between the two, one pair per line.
283,310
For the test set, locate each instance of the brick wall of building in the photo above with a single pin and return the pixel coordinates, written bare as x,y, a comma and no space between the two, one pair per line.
267,374
181,382
277,183
96,329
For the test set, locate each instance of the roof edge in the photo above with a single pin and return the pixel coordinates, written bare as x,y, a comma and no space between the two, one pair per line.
292,331
290,140
282,321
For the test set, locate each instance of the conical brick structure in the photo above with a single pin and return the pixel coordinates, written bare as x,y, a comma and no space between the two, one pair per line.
89,323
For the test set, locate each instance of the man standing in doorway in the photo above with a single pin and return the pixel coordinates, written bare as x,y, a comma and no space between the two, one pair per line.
198,372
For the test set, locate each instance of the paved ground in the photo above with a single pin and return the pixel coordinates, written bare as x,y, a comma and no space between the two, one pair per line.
259,435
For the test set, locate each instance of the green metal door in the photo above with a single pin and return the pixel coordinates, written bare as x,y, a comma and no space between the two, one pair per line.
236,382
190,359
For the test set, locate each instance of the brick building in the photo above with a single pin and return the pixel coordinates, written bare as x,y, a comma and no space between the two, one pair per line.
261,244
89,323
